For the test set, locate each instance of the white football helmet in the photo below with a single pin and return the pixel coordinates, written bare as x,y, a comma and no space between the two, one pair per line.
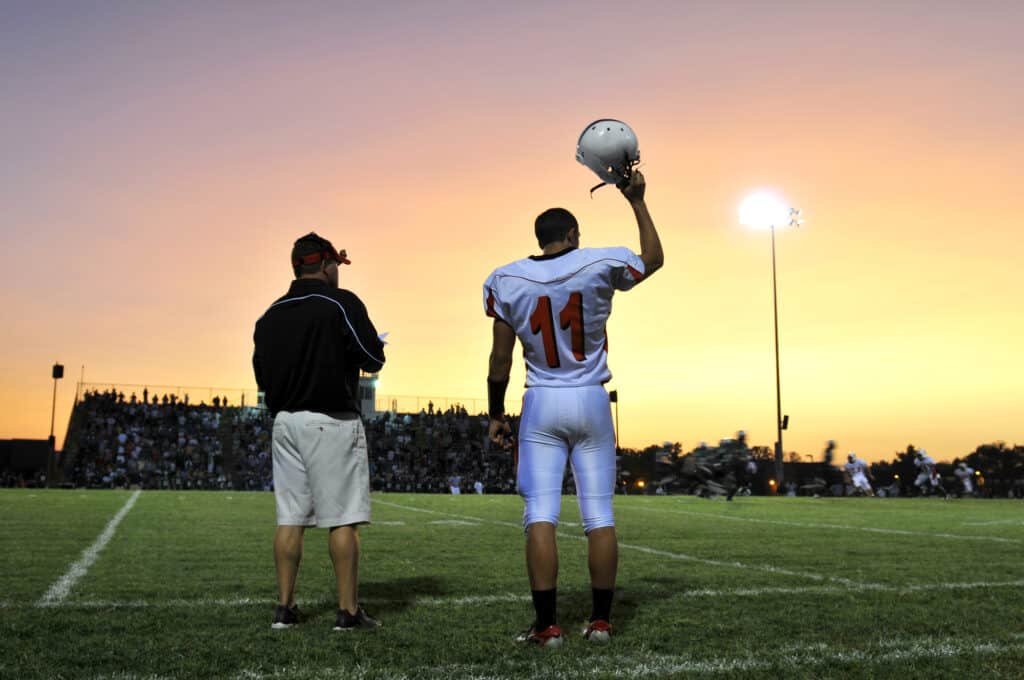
851,456
609,148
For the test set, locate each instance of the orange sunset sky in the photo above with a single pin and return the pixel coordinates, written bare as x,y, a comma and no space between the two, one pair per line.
160,158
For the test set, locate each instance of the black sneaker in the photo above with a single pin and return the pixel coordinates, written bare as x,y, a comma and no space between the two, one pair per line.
285,617
358,621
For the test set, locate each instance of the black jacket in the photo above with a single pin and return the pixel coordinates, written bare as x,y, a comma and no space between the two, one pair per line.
310,346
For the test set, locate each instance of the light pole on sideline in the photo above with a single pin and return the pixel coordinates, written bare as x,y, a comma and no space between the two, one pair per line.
766,210
58,373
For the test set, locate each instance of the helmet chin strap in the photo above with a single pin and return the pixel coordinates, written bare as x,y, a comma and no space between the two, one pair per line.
622,183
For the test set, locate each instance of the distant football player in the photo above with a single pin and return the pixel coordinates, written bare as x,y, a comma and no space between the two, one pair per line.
557,304
858,472
744,467
966,476
928,479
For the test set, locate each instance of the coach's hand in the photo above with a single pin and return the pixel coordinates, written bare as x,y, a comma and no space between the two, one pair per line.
633,188
500,433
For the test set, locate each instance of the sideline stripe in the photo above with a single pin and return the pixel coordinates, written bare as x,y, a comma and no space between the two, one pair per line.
650,551
742,565
790,658
814,525
428,601
802,657
1013,522
62,586
499,598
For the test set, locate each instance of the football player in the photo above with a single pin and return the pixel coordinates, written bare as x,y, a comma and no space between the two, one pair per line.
557,304
858,472
966,476
928,476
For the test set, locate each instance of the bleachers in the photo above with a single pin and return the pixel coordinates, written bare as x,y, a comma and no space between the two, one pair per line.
118,441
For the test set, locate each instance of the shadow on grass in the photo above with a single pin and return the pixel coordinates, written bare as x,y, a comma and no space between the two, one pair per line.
400,594
380,597
632,600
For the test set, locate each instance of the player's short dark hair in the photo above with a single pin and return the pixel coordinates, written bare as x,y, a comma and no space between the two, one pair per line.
553,225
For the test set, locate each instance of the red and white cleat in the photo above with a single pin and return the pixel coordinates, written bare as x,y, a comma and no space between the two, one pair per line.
549,637
598,631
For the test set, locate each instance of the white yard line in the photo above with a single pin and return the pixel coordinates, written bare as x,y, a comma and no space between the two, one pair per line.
817,525
650,551
741,565
62,586
1013,522
792,658
428,601
800,656
499,598
634,665
833,590
410,508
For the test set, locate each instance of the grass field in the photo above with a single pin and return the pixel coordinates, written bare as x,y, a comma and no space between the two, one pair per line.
183,587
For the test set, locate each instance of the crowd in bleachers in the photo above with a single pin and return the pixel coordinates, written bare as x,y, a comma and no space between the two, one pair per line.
426,452
251,429
163,442
153,443
166,443
432,451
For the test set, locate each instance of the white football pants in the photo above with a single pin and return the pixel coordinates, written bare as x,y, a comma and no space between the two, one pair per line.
574,423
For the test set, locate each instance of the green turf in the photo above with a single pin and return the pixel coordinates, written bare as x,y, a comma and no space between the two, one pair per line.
760,587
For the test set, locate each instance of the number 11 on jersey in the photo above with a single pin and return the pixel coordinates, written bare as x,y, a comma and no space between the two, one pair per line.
570,318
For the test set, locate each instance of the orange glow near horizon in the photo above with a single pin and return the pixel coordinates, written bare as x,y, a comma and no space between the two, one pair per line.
153,188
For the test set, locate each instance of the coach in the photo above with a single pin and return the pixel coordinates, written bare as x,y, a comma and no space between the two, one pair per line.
310,347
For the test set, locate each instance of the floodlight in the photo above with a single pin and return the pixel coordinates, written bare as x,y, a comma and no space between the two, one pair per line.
764,209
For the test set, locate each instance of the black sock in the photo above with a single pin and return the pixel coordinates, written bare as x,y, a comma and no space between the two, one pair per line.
545,602
602,608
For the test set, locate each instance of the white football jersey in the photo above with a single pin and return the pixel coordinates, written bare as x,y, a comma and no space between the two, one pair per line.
926,463
964,473
558,306
857,467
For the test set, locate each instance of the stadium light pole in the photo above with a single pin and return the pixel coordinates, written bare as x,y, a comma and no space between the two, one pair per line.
58,373
51,465
762,210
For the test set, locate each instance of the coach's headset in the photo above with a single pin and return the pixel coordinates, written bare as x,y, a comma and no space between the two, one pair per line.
313,248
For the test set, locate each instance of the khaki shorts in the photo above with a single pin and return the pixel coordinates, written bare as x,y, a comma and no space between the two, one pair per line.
321,470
